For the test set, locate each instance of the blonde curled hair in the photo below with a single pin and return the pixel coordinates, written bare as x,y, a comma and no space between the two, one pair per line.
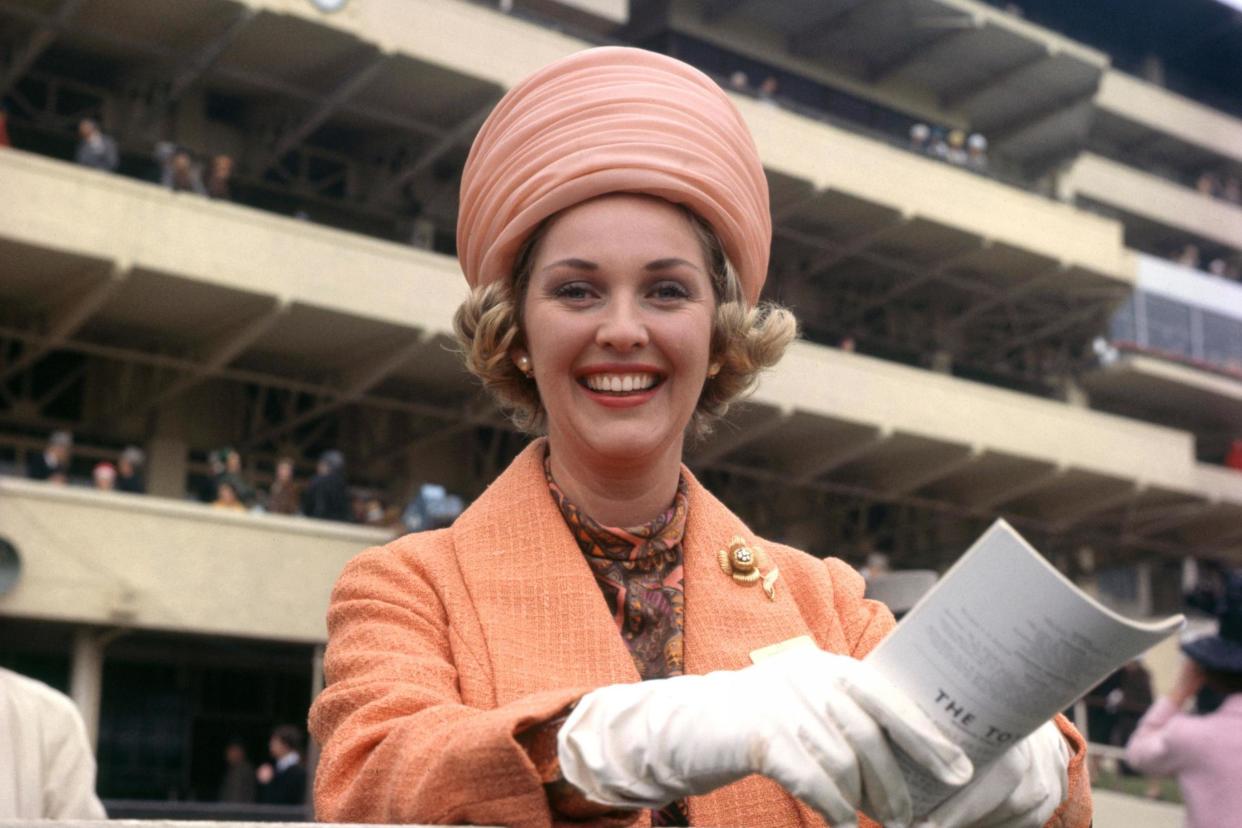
745,340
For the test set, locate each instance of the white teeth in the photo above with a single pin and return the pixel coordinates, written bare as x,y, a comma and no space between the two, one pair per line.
620,383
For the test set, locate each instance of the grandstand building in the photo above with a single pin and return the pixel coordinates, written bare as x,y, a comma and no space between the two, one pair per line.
1021,336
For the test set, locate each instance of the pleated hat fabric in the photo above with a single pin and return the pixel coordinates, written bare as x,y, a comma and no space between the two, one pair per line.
605,120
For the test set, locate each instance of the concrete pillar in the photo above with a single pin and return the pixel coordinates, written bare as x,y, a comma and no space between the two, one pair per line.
86,679
312,747
167,466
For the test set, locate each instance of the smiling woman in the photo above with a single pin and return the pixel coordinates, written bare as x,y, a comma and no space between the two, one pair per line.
585,643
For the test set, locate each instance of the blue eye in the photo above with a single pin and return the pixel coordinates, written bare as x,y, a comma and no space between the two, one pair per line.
670,290
572,290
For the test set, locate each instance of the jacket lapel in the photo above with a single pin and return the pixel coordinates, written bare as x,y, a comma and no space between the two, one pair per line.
519,560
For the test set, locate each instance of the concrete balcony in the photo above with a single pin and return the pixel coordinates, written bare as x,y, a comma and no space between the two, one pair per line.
137,265
146,562
1149,199
1175,128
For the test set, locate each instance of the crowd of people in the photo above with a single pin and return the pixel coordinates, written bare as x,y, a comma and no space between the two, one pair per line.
1225,187
952,145
1225,266
179,170
228,485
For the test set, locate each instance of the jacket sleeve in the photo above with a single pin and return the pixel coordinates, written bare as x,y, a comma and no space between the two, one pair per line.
865,623
69,766
1150,749
398,744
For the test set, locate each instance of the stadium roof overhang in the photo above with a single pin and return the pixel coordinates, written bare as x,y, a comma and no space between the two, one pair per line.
1027,89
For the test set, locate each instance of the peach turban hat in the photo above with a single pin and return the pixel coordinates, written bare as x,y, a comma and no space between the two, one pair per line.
612,120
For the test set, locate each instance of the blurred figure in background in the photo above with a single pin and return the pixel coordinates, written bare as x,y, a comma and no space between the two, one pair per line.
129,471
327,495
1129,700
235,476
432,508
283,782
920,137
977,152
104,477
238,783
47,770
209,491
96,150
181,174
1203,751
226,498
219,178
283,498
5,141
53,464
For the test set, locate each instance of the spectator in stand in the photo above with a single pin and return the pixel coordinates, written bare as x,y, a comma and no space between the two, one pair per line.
739,81
47,770
769,89
1189,256
920,138
238,783
226,497
283,782
283,499
1232,190
220,177
1233,459
956,149
53,464
938,146
235,475
129,471
181,174
95,149
977,152
209,491
5,141
1204,751
327,495
104,477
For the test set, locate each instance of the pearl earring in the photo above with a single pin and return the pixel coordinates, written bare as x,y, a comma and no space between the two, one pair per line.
523,365
713,370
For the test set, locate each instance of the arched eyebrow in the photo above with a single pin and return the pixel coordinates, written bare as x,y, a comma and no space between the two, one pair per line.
576,264
665,264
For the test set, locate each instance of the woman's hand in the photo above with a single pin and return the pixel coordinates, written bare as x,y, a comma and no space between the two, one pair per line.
1189,683
1021,789
814,722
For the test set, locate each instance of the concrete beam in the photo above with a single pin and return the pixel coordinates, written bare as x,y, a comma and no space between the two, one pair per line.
329,104
43,37
66,320
999,495
843,250
1087,506
1006,296
811,465
728,438
458,135
945,42
911,481
964,96
202,60
921,276
805,41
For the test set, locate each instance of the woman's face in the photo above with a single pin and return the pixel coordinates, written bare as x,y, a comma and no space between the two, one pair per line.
618,319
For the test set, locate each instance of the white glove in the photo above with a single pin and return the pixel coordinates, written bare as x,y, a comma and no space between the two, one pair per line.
1021,789
812,721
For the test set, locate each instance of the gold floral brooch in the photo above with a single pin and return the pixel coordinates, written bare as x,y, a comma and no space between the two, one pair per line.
745,565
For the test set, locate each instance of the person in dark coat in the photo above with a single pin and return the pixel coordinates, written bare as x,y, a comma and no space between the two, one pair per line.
129,471
52,464
327,495
283,782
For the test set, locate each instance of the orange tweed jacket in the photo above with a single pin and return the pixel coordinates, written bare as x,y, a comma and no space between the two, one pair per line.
443,645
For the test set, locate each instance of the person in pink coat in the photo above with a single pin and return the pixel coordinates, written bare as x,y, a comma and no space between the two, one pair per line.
1204,752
